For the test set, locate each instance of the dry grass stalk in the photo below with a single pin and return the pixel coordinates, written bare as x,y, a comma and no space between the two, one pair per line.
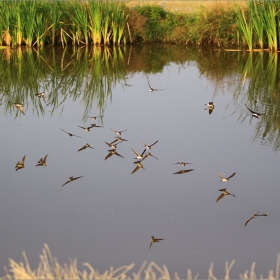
49,268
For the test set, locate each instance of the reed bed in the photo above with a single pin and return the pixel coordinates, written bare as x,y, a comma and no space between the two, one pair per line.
33,23
259,24
49,268
113,22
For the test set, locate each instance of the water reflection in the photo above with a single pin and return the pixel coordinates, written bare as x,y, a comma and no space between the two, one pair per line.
158,200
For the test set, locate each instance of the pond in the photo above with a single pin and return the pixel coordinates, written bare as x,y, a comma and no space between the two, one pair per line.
107,217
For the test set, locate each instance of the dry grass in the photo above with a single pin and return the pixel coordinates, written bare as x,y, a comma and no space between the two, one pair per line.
187,6
49,268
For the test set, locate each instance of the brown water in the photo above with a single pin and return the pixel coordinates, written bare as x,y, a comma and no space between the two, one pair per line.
108,216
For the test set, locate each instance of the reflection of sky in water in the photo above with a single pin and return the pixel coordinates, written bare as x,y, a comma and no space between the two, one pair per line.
107,217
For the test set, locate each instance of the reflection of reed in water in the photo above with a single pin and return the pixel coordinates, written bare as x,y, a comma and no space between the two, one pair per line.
90,76
49,268
260,93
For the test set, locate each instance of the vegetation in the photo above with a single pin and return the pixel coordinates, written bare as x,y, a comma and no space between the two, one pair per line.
97,22
49,268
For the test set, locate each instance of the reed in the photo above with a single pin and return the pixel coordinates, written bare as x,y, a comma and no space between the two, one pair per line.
95,15
245,26
49,268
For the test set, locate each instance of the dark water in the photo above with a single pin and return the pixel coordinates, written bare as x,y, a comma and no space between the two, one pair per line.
107,217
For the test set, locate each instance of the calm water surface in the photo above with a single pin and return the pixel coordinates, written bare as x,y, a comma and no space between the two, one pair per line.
107,217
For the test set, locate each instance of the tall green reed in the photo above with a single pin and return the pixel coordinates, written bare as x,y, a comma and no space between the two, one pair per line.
245,26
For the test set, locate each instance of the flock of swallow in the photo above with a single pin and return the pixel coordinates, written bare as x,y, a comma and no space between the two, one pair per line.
140,157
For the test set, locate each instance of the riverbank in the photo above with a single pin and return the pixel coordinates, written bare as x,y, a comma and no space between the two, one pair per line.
219,24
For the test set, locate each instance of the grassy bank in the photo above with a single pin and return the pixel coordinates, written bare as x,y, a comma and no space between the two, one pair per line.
247,25
49,268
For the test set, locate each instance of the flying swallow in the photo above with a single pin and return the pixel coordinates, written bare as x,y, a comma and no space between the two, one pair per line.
224,193
153,89
118,138
20,107
87,129
41,95
254,216
225,179
139,165
95,117
85,147
147,155
111,145
113,152
42,162
20,165
94,125
70,134
118,132
149,147
138,156
210,106
71,179
254,114
183,171
182,163
153,240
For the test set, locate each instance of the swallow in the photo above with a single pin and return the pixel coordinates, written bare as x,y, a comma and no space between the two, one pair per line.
20,165
71,179
210,105
113,152
42,162
138,156
210,108
254,216
224,193
95,117
118,132
254,114
153,89
111,145
41,95
182,163
223,178
87,129
94,125
20,107
118,138
85,147
139,165
183,171
153,240
148,154
149,147
70,134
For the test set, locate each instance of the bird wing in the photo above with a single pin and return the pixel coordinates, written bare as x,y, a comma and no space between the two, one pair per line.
249,109
153,156
124,130
23,160
113,129
220,197
153,143
135,152
45,158
220,175
231,175
248,221
83,148
66,183
109,155
143,152
116,153
135,169
77,178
